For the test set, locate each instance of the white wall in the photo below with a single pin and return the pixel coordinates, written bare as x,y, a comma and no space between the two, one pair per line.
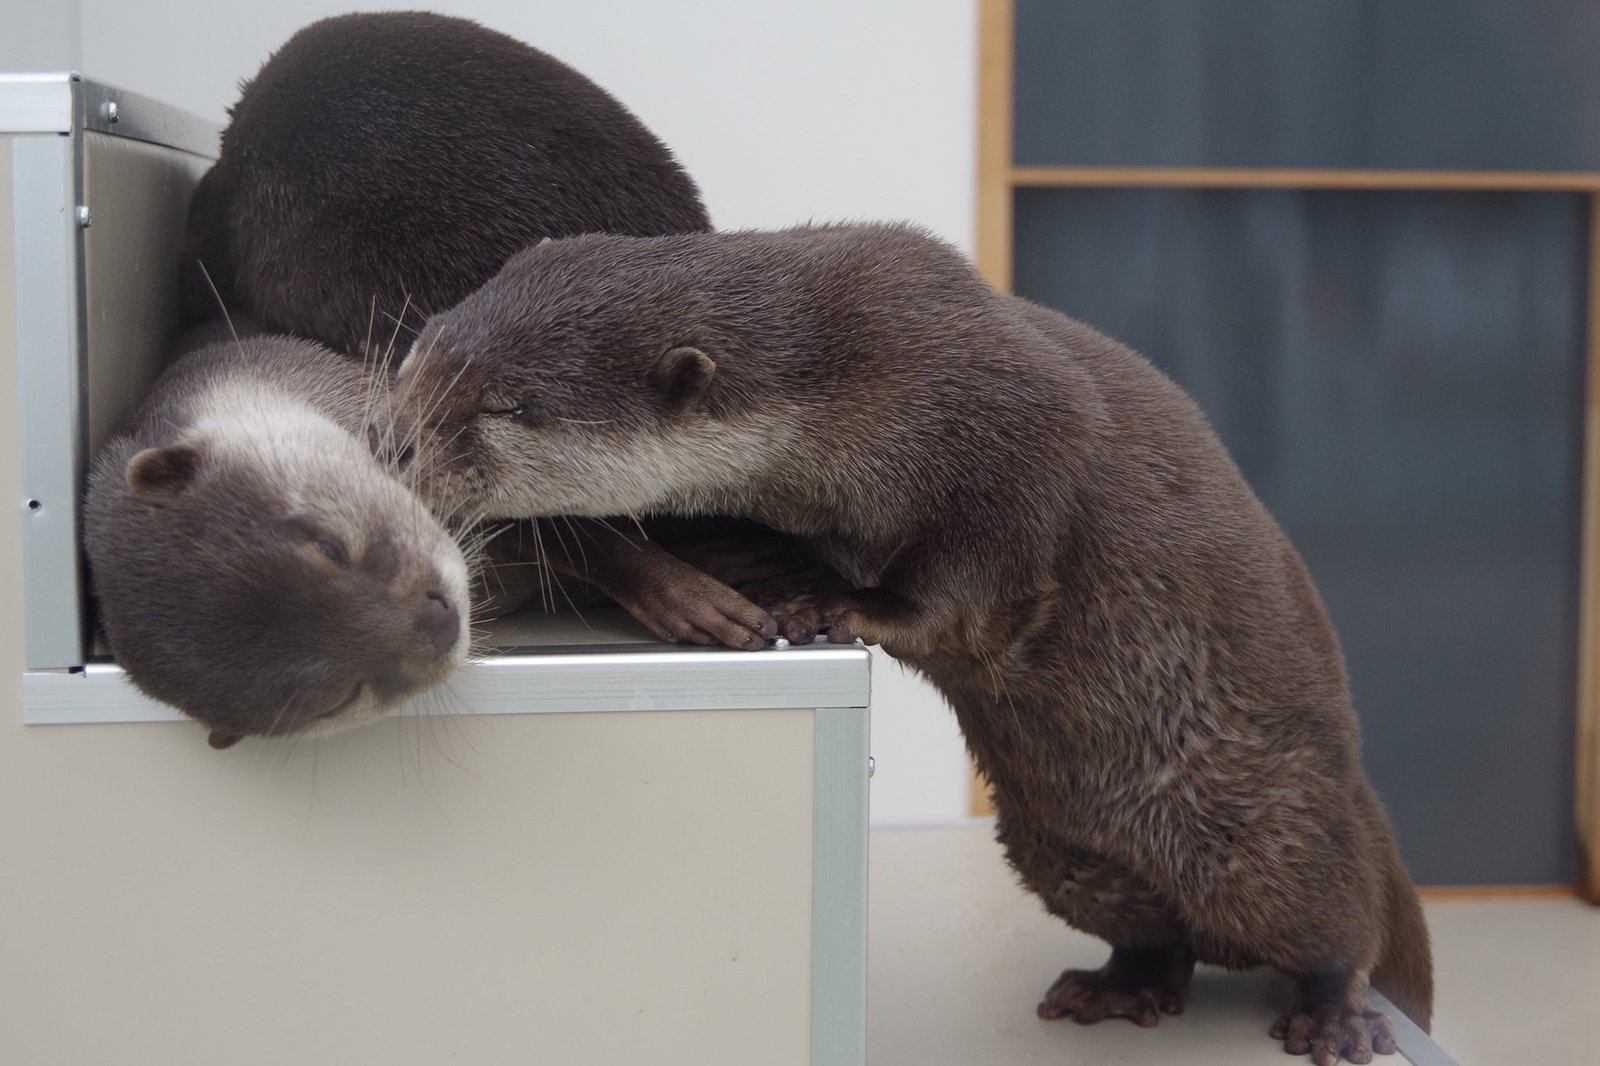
40,35
783,110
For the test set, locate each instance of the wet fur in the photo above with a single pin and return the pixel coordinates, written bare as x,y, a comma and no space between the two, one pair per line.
253,565
1030,514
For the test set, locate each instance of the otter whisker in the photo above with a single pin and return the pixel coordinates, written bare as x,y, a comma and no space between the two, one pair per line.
579,538
366,342
221,306
555,579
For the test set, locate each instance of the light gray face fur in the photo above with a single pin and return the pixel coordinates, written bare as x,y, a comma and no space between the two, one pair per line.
258,569
500,448
330,480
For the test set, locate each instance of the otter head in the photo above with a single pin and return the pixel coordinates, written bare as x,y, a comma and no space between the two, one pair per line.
263,574
568,385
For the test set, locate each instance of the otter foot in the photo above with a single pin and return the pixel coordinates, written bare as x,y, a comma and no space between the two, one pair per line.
804,604
1331,1031
1136,983
1332,1018
681,604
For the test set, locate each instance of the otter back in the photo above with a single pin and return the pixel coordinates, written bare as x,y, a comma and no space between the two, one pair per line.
380,159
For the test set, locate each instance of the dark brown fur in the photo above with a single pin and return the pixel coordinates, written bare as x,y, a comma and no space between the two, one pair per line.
385,159
1031,515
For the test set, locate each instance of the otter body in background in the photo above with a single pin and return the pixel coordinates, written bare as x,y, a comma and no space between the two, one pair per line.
379,168
1032,516
254,566
393,160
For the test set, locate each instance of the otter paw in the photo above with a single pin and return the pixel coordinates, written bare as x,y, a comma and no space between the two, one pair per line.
804,606
1087,996
1329,1031
1140,986
694,608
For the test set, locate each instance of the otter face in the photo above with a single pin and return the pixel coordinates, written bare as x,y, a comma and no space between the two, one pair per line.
500,413
264,575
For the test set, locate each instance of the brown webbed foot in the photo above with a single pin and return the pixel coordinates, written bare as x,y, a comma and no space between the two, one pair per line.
805,603
680,604
669,597
1331,1018
1136,983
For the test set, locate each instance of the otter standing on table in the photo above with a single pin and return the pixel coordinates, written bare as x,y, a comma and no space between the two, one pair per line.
1031,515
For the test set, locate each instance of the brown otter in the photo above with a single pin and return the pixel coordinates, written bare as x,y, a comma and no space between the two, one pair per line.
1031,515
253,565
378,168
389,163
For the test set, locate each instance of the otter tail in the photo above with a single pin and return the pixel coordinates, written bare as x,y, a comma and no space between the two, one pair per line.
1404,971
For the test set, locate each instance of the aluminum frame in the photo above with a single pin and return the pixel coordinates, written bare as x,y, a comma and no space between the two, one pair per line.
44,116
596,679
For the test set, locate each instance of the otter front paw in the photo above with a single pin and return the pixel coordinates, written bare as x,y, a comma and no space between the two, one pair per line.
686,606
805,604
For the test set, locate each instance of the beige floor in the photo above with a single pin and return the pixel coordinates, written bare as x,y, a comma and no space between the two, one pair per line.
959,956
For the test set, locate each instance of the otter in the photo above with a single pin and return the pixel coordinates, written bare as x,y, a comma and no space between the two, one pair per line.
381,166
253,565
1025,511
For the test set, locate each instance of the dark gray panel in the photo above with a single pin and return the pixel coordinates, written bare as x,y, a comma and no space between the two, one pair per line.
1400,376
1473,84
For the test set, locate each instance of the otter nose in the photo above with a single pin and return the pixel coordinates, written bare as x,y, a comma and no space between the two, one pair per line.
381,442
439,621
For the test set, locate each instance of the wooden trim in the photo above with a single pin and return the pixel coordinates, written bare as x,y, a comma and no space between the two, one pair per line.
1296,178
1586,793
995,47
1486,892
993,240
981,801
999,178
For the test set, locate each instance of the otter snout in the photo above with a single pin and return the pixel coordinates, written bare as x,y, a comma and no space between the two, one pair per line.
439,620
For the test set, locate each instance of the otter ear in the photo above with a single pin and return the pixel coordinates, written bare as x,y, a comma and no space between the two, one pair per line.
160,474
683,376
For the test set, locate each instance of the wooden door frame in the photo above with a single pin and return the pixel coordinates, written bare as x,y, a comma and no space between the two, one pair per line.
999,178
